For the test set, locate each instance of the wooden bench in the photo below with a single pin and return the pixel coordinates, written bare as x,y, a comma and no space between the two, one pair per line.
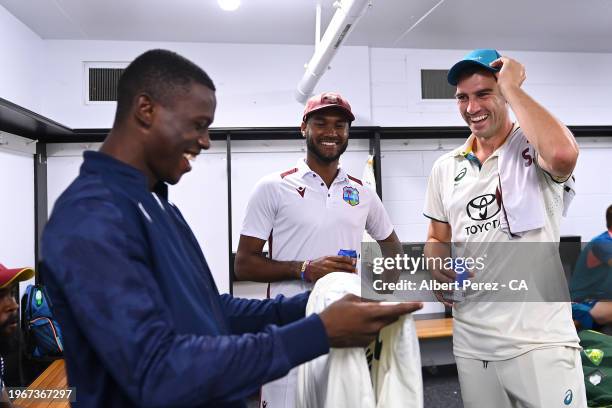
434,328
54,377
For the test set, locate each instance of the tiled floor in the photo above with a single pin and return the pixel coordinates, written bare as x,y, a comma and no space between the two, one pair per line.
441,388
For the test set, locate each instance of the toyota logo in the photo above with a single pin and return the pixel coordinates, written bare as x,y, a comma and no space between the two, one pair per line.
482,207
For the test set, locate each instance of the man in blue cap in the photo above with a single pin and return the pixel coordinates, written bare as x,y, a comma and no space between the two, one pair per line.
506,184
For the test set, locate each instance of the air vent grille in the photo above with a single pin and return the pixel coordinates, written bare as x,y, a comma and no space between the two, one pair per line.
435,86
103,84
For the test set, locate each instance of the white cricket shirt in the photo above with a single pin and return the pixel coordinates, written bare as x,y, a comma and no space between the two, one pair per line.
464,195
307,220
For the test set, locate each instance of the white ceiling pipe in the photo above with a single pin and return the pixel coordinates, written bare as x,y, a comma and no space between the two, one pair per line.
318,25
342,23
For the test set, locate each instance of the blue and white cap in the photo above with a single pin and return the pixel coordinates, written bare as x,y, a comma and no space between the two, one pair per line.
480,57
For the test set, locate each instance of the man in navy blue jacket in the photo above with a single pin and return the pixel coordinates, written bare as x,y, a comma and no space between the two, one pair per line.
143,321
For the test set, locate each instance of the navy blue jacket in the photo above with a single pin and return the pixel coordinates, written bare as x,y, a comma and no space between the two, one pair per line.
142,319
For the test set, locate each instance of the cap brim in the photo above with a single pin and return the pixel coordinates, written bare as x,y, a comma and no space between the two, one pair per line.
347,112
455,71
19,275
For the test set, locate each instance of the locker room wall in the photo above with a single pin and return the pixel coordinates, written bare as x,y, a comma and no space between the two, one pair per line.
406,165
20,78
383,85
201,196
17,203
576,92
252,90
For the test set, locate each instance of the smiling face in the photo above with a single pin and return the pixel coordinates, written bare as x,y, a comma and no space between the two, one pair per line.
326,132
178,132
482,105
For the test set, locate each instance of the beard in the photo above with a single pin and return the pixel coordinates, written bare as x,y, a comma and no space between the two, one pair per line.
9,340
314,149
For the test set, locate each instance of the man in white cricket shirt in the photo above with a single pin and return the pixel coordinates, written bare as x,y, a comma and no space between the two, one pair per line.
508,354
307,213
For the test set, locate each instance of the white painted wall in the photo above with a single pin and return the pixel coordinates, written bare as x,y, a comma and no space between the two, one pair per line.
575,87
22,64
63,163
406,165
201,196
587,215
17,203
255,83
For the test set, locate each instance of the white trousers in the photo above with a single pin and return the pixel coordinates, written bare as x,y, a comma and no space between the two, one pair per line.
542,378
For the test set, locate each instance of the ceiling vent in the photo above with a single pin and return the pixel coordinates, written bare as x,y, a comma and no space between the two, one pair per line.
434,84
101,80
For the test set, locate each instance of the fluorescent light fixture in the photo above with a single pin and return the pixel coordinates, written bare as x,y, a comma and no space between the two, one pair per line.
229,5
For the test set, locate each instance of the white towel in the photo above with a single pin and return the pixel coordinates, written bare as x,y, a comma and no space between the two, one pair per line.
521,195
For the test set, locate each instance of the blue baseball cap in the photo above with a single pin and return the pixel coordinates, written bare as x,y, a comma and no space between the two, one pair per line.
480,57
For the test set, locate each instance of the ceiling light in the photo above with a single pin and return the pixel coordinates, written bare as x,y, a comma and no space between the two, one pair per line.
229,5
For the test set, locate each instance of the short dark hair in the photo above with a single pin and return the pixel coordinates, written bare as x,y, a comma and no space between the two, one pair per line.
161,74
609,217
470,70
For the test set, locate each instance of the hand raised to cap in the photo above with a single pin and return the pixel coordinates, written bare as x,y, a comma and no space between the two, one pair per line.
354,322
511,73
